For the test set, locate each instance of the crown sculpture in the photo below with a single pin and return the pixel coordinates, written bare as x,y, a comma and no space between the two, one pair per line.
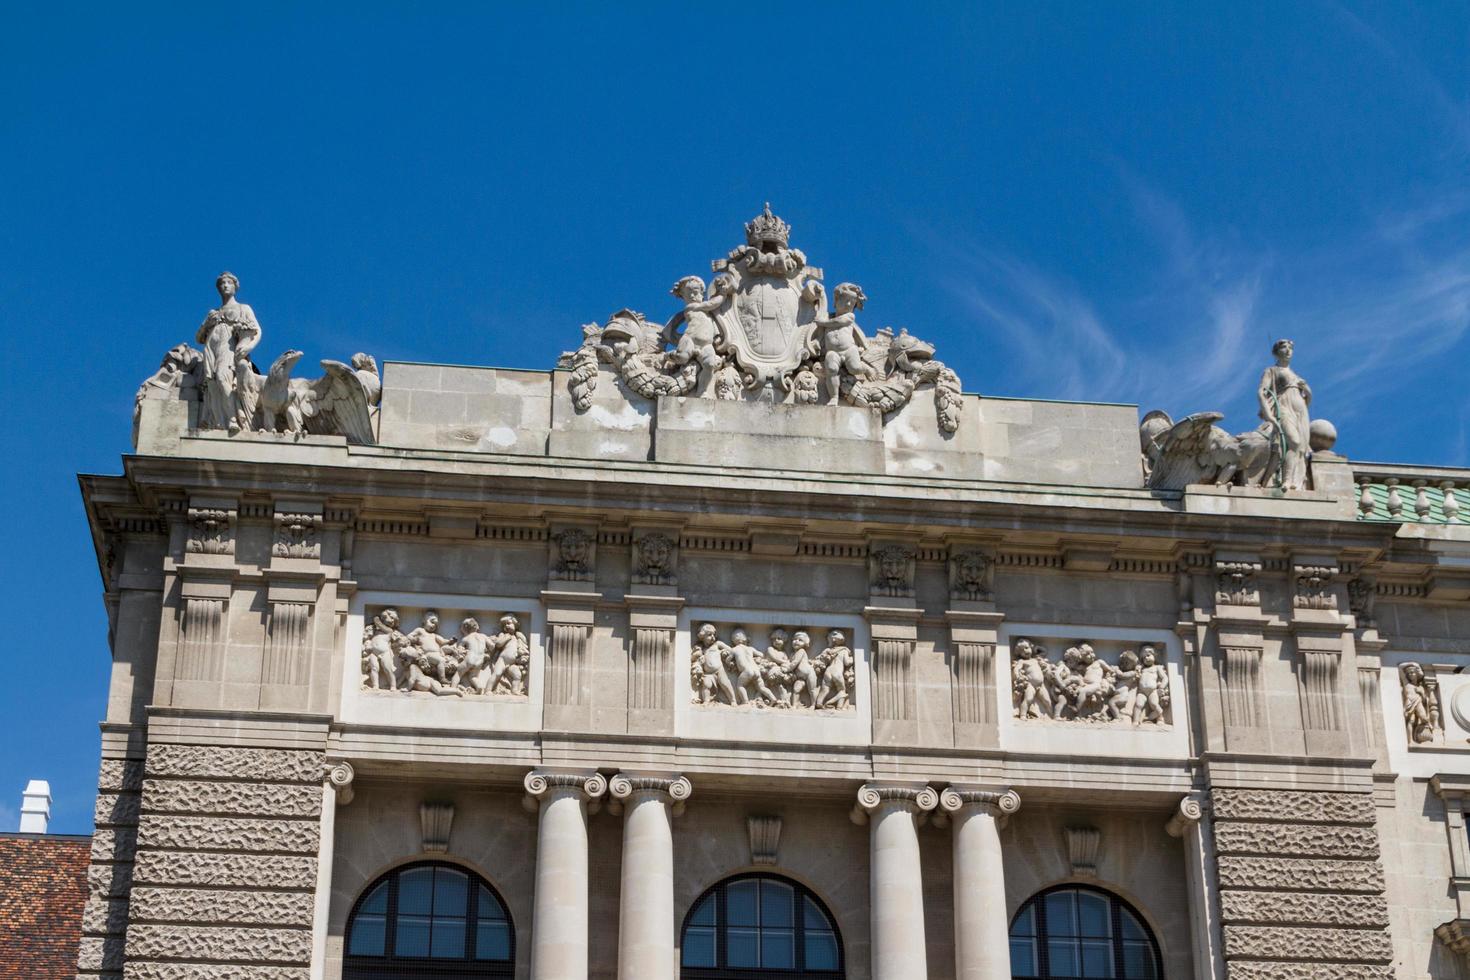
763,328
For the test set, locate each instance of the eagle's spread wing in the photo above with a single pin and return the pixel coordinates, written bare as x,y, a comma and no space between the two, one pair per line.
1181,453
343,405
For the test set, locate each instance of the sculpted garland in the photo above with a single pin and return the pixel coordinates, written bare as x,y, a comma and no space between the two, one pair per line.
1083,687
423,660
737,673
764,321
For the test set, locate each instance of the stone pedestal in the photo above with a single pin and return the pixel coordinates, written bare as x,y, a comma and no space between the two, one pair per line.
896,889
559,920
646,940
982,949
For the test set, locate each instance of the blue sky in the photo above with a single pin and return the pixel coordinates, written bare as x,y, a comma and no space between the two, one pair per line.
1119,202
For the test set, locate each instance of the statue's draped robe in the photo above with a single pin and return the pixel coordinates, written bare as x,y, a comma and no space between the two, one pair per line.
1287,395
223,331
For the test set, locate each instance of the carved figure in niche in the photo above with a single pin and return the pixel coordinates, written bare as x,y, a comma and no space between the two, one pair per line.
431,648
512,658
1125,686
474,651
776,669
708,667
380,644
840,338
1421,704
1153,688
1029,673
228,334
701,332
804,682
836,665
1284,398
745,664
418,676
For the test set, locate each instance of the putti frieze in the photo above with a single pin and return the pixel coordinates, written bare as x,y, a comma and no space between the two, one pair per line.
788,674
423,660
1082,687
764,323
234,396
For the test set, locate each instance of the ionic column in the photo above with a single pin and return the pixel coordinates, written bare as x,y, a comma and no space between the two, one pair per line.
559,917
646,900
336,790
1190,823
896,885
982,947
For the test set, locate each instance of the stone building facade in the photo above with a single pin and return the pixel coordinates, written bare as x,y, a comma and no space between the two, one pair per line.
748,643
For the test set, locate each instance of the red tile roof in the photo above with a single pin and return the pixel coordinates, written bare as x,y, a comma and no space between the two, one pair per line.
43,886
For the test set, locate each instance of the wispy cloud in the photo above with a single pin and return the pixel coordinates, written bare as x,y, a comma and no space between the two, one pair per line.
1383,305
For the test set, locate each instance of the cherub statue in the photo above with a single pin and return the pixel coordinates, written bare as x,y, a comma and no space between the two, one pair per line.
380,644
701,332
836,663
431,647
1064,682
708,667
746,667
419,678
1094,686
840,338
1029,672
804,682
1153,688
1421,704
1125,686
776,669
512,657
475,651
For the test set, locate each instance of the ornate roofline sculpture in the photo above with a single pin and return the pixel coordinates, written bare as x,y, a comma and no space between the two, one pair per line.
234,396
764,325
1195,450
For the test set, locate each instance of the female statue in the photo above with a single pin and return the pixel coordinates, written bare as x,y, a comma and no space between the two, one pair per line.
1284,398
228,335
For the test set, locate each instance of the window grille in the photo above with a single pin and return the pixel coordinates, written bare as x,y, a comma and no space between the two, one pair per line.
752,927
1070,932
430,919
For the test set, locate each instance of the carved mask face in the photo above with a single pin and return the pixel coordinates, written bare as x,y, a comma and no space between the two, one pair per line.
801,641
707,634
509,624
655,552
892,568
778,639
1149,657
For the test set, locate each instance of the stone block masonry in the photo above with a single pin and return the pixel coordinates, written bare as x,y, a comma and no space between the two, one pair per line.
225,868
1301,887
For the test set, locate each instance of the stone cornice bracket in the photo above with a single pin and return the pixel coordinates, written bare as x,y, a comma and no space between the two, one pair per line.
435,822
339,778
1455,934
1190,812
1000,804
625,786
872,797
765,838
543,784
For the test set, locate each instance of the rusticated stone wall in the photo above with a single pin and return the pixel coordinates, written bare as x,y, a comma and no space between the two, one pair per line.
225,873
1301,887
110,873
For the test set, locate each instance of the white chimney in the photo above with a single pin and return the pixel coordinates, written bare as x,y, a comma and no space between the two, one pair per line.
35,807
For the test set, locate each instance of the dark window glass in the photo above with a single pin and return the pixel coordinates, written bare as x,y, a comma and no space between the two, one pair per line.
1071,933
430,920
760,923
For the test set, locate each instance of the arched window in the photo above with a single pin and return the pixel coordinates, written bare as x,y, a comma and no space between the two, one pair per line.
1082,932
751,925
429,920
